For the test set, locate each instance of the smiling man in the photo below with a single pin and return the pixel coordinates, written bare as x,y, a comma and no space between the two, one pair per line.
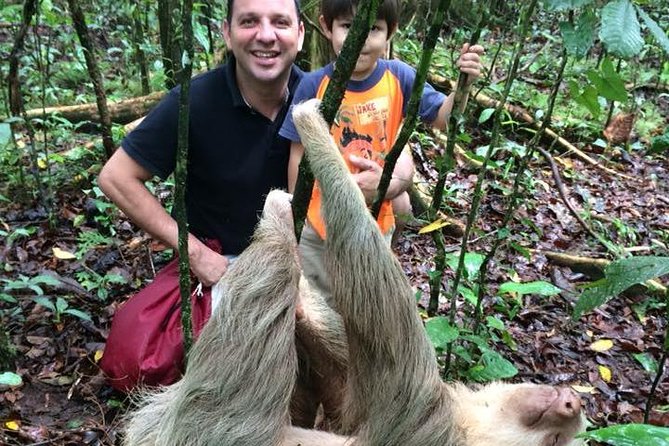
235,157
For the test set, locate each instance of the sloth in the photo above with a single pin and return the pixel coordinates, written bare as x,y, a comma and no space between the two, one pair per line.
371,364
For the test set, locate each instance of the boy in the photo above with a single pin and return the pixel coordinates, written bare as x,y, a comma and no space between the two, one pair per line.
368,121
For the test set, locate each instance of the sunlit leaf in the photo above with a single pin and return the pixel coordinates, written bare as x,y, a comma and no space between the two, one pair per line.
98,355
5,134
564,5
62,254
630,435
659,35
605,373
440,332
434,226
495,367
473,262
648,363
12,425
620,275
485,115
583,389
10,379
620,30
539,287
41,163
601,345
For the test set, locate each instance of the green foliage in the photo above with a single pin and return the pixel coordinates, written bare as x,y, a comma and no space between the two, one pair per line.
61,307
579,37
539,287
648,363
479,361
33,284
10,379
605,82
565,5
94,282
630,435
620,30
619,276
660,144
659,35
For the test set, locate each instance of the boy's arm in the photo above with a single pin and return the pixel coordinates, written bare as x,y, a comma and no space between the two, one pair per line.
469,63
296,154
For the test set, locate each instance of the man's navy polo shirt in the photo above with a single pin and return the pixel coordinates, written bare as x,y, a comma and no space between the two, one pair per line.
235,156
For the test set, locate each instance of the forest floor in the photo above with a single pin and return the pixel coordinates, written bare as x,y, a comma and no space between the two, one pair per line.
64,399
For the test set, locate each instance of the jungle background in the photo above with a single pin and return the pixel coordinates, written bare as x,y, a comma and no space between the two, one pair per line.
558,178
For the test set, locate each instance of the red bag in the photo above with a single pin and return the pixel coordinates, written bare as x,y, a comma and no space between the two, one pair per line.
145,343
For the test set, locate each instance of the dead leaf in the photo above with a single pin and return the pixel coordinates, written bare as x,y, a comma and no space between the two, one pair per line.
620,128
583,389
62,255
435,225
602,345
13,425
605,373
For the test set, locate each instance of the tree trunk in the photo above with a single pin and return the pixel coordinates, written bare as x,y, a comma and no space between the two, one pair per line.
140,55
94,72
167,41
14,86
180,173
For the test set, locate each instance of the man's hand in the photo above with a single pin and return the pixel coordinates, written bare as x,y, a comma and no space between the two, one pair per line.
470,61
207,265
368,177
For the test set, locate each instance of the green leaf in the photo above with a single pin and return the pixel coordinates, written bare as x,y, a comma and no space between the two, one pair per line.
655,30
587,98
10,379
61,305
495,366
648,363
486,114
45,302
580,36
78,313
619,276
494,322
539,287
620,30
659,143
46,279
564,5
473,262
440,332
201,35
630,435
5,134
608,83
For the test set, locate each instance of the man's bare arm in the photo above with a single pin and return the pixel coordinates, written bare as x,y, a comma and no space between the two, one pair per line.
122,180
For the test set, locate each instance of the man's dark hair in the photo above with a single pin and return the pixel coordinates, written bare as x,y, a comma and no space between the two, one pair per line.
228,17
389,11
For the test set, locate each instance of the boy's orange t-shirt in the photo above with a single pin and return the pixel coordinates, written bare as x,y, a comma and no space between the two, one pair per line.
367,122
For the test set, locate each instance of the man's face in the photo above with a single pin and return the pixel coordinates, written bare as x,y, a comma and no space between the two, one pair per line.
264,36
374,48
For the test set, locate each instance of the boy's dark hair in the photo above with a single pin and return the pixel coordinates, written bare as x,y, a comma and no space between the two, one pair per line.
389,11
228,16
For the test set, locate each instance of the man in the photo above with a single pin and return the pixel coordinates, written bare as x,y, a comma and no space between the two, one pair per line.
235,157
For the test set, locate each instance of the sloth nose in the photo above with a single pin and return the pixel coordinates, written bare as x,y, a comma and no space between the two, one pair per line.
570,403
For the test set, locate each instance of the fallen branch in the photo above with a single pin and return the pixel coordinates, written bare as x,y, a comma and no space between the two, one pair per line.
121,112
591,267
519,113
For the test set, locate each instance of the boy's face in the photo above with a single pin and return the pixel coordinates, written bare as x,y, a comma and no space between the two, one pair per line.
375,45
